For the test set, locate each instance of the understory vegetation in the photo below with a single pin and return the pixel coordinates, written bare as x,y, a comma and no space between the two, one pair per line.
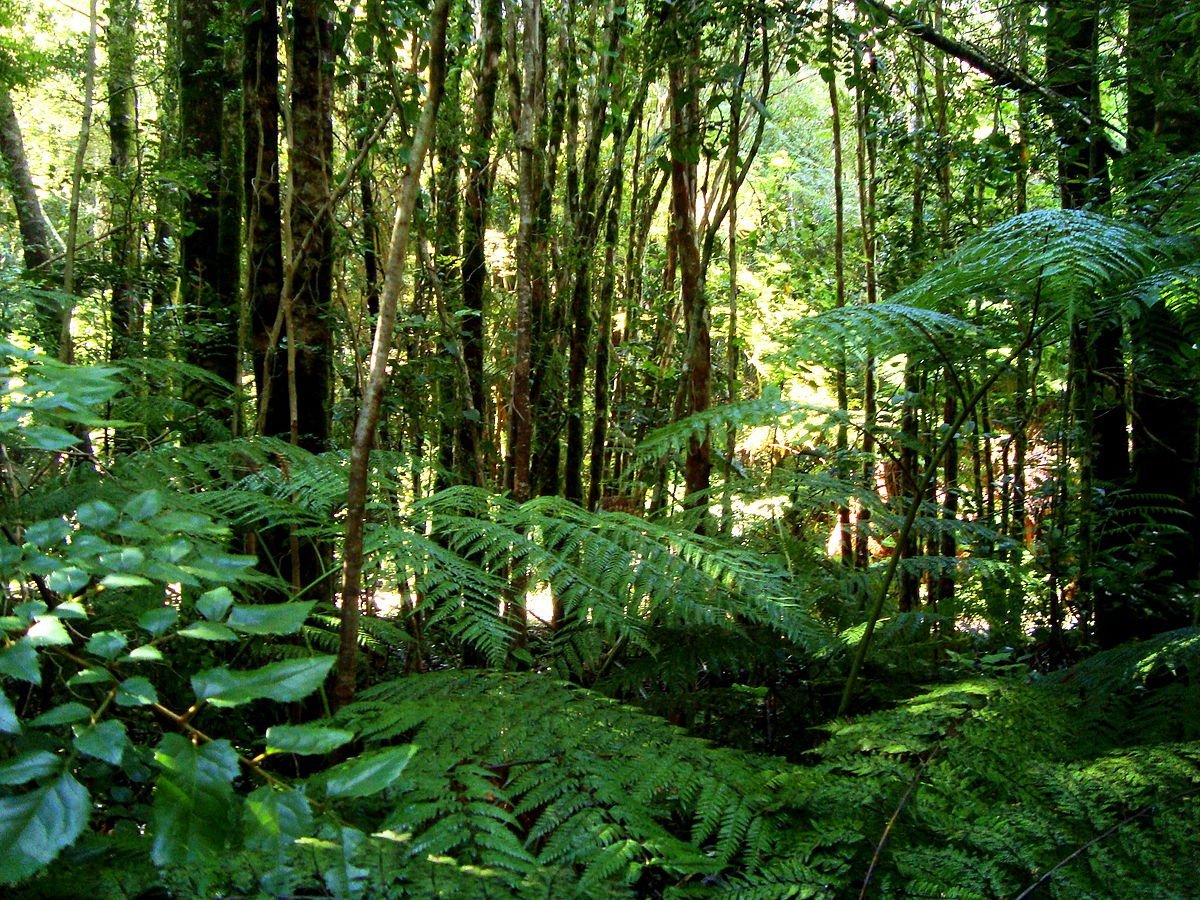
762,459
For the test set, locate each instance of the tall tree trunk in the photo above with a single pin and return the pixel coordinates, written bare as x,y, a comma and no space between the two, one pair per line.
1164,123
520,412
1097,362
37,235
209,285
865,173
264,236
685,153
308,306
66,345
125,304
373,389
471,433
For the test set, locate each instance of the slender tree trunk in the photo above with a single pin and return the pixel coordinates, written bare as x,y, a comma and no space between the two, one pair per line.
685,153
264,236
845,532
66,344
373,390
125,308
865,171
475,215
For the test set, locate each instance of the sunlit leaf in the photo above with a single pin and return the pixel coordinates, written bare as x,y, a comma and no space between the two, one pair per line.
287,681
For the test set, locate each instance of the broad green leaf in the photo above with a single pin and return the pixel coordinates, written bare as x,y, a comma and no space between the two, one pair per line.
36,827
105,740
343,878
47,437
214,604
287,681
156,621
223,568
117,581
126,561
30,767
48,632
67,580
143,506
20,661
9,723
208,631
31,610
368,774
64,714
136,691
96,514
10,555
194,813
106,644
71,609
306,739
275,818
275,618
47,532
145,653
89,676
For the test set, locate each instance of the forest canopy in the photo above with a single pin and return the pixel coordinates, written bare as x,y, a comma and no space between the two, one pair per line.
543,448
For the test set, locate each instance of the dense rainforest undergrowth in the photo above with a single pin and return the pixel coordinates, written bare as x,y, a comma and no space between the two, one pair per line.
762,458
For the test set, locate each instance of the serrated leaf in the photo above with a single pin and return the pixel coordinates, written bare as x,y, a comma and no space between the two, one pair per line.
63,714
93,675
368,774
275,818
214,604
136,691
71,609
275,618
287,681
20,661
106,644
306,739
30,767
106,741
47,437
194,813
157,621
96,514
48,632
36,827
9,723
207,631
143,506
67,580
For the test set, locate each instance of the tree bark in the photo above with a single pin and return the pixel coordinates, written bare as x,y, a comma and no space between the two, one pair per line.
373,389
308,304
477,194
209,278
685,154
264,236
125,308
37,235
